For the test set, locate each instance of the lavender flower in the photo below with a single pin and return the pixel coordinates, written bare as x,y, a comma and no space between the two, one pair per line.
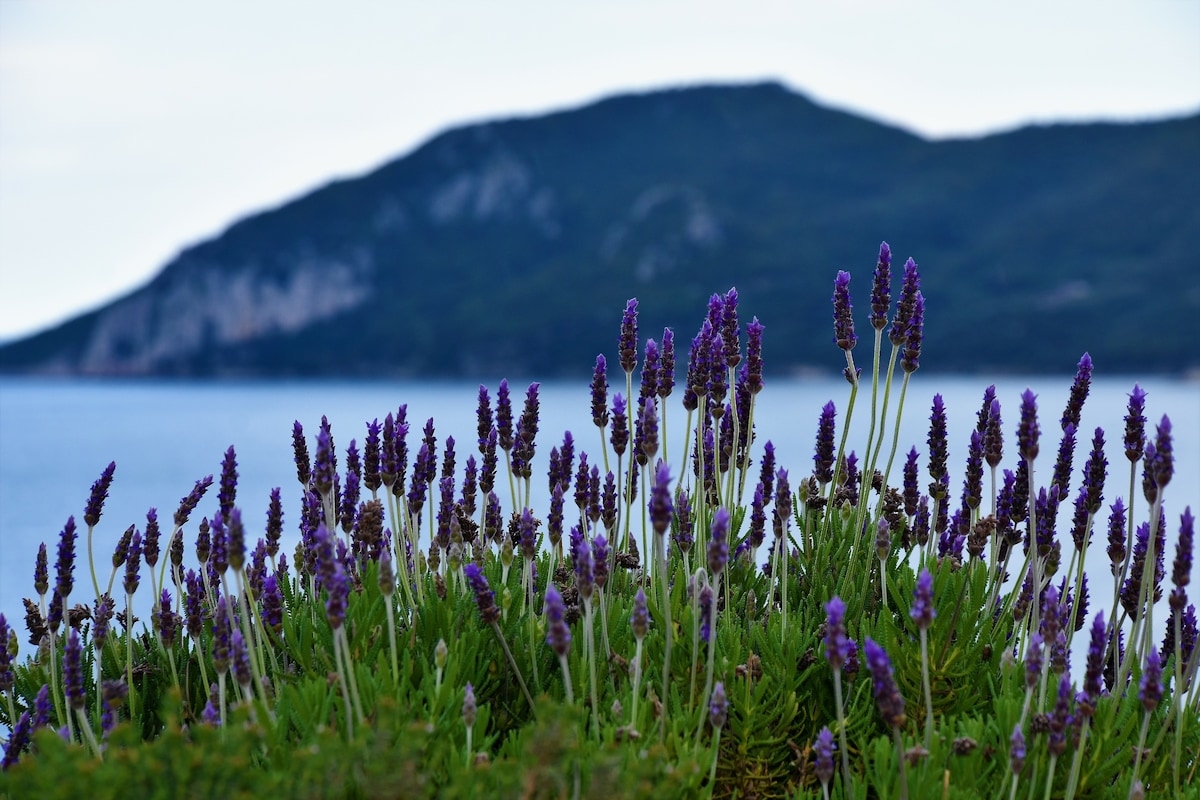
485,598
1092,685
922,610
627,345
1135,425
619,436
98,494
937,448
338,587
1151,690
1181,567
824,748
7,677
42,706
212,714
718,546
718,706
973,482
300,452
905,305
649,385
1062,464
581,555
599,392
132,562
221,642
1116,536
229,477
823,457
1034,654
843,319
600,561
73,671
17,742
504,417
758,519
706,612
192,499
1060,717
639,621
660,506
887,694
993,439
912,493
881,296
1027,429
911,360
1079,393
469,709
240,660
754,360
102,617
648,425
558,635
685,524
64,566
837,646
1163,462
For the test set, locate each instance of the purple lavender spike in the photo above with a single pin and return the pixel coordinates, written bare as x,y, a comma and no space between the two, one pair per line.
41,572
650,370
718,546
323,464
912,492
1093,677
1163,467
65,565
189,502
758,519
823,751
1151,690
1062,464
706,612
973,481
684,538
300,452
881,295
911,360
718,706
600,392
98,494
1181,567
240,660
937,448
627,344
1135,425
7,676
229,478
1027,429
837,646
1016,751
619,435
843,319
993,438
640,619
922,611
887,693
905,305
73,671
558,635
648,423
1079,393
132,561
504,417
1116,537
823,457
485,598
1059,718
660,506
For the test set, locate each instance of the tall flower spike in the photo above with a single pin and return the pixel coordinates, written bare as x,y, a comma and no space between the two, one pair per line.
1151,690
300,452
485,598
1135,425
7,676
823,750
837,646
718,545
1116,537
73,671
730,332
905,304
660,499
937,448
922,610
823,457
911,360
98,494
558,635
993,438
483,417
1079,393
132,562
639,621
41,572
650,365
65,565
620,425
843,319
189,502
1093,677
627,345
599,392
504,417
1027,429
1181,567
718,707
881,294
229,478
666,365
887,693
1164,460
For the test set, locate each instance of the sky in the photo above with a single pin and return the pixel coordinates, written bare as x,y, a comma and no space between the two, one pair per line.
132,129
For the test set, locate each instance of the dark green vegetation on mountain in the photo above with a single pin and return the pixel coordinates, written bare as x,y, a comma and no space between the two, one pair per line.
509,247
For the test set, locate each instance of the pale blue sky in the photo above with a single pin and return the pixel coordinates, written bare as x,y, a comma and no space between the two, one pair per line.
131,129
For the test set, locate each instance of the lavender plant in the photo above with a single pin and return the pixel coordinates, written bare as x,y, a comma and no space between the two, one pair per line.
323,676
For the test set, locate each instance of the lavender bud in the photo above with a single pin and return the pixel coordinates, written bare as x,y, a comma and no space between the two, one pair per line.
843,320
1151,688
64,566
881,296
1135,425
666,368
887,693
485,598
718,546
1079,393
73,671
823,457
558,635
922,610
718,707
837,646
627,344
240,660
640,620
99,493
132,562
911,360
469,709
823,748
1027,430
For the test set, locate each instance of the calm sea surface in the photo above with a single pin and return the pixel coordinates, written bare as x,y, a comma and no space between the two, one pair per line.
57,436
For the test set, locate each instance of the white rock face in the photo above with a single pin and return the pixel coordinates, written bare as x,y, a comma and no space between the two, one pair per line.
218,306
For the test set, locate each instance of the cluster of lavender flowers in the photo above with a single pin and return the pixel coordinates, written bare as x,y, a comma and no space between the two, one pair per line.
609,577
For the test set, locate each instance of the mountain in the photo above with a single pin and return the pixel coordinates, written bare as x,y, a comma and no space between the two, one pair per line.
510,247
